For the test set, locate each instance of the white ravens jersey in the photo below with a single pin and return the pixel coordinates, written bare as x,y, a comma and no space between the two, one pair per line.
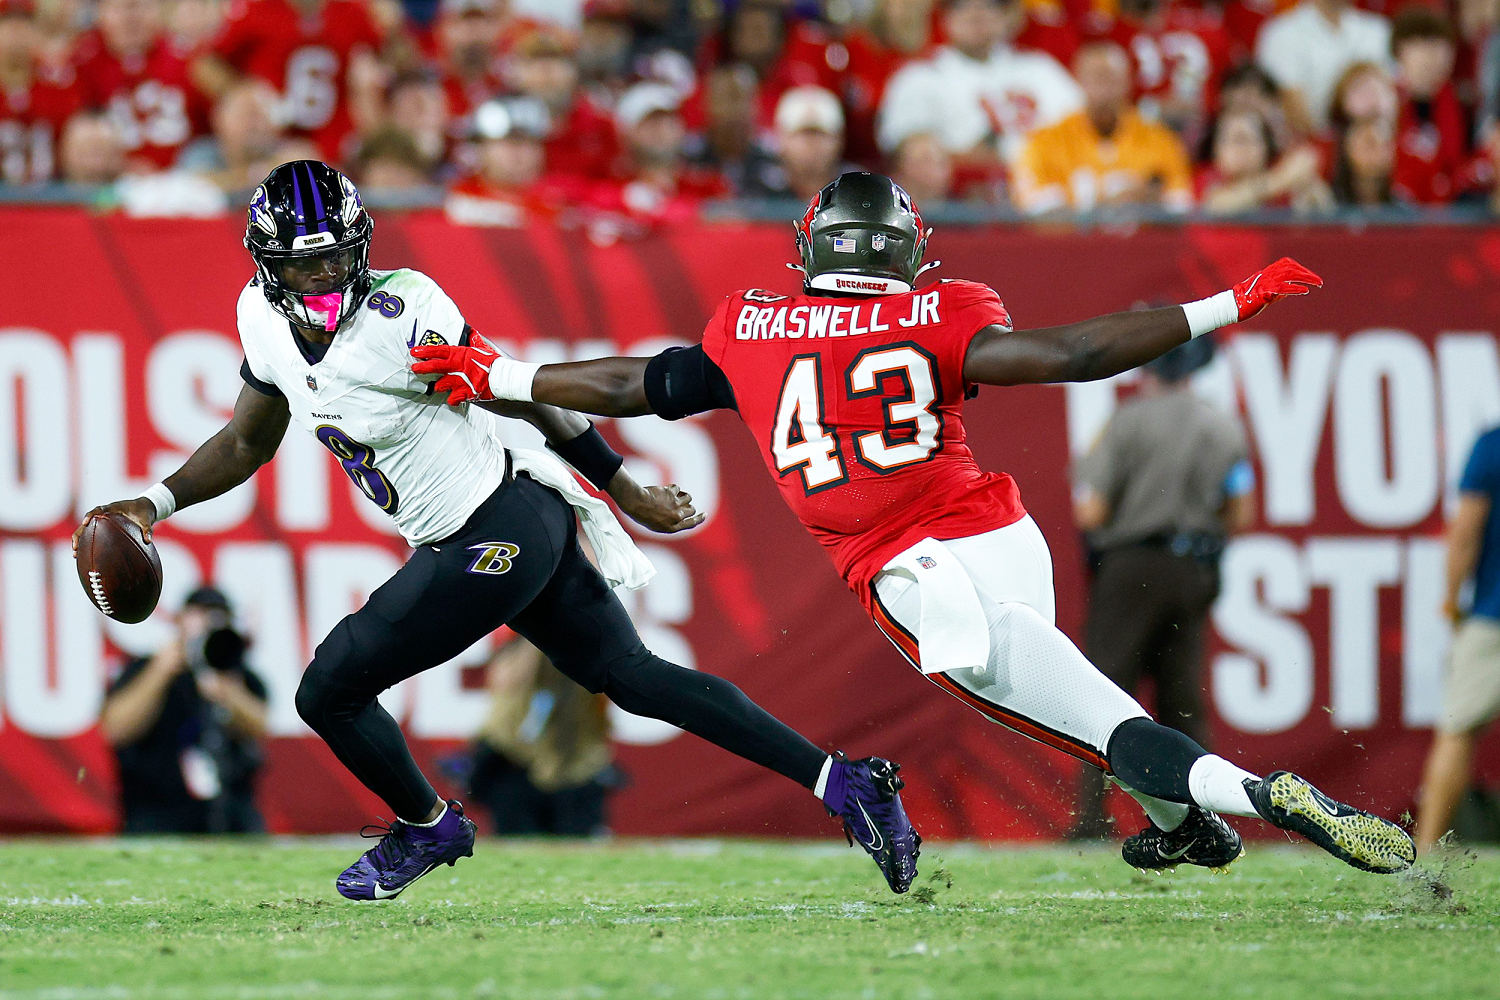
427,464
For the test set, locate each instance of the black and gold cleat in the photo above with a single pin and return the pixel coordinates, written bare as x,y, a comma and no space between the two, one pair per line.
1352,835
1202,839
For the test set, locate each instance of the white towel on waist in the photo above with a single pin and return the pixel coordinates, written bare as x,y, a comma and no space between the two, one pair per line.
620,562
953,633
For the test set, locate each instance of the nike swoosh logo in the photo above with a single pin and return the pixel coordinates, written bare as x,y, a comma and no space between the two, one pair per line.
1174,855
879,841
381,892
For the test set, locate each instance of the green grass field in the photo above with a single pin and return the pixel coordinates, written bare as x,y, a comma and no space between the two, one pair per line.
184,919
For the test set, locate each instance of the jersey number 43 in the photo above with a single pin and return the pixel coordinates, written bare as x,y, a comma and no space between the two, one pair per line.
802,440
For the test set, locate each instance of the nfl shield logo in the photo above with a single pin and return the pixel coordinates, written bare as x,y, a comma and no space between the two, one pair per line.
312,383
926,562
877,242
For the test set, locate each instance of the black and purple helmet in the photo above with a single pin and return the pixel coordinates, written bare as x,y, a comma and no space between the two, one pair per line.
305,211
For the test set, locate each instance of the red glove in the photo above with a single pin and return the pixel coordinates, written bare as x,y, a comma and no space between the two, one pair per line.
1273,282
465,371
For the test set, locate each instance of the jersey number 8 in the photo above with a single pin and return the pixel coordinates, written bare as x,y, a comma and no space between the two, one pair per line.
358,461
801,439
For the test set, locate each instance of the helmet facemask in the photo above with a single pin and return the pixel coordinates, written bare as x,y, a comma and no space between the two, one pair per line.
328,308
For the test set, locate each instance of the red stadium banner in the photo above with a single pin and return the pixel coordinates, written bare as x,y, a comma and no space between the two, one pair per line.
118,355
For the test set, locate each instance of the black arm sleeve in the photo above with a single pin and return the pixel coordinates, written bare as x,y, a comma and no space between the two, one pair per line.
681,381
264,388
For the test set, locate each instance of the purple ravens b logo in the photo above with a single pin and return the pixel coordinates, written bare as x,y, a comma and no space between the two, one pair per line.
312,383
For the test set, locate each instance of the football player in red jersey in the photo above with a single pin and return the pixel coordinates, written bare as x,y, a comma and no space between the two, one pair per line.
853,390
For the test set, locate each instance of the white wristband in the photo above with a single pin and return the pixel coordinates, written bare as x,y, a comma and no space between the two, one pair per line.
162,499
511,379
1207,315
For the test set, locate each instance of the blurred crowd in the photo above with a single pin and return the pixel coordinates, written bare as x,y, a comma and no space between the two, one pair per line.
633,113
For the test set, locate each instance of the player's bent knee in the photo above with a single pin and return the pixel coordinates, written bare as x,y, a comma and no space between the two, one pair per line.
1152,758
325,692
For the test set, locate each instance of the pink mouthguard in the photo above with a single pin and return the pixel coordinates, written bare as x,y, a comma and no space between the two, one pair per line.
328,304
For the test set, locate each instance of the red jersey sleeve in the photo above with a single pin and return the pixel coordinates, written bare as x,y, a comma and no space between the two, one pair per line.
716,334
978,306
968,308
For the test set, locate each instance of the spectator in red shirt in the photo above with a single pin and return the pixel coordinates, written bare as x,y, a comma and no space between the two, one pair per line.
320,55
128,68
1431,139
656,183
469,37
508,186
582,139
35,102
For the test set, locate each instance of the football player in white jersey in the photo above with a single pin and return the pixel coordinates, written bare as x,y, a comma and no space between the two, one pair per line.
494,532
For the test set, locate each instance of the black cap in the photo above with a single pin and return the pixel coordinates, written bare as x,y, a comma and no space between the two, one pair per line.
207,597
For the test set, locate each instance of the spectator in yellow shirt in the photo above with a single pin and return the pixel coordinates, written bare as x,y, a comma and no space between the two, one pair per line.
1107,154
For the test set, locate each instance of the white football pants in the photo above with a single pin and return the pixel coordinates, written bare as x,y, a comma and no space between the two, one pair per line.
1035,681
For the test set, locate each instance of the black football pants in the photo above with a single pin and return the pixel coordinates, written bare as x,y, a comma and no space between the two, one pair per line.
515,562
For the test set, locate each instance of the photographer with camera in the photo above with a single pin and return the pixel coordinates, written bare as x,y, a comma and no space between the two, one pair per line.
184,724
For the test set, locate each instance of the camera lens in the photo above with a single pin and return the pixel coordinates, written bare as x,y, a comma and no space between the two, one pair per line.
224,648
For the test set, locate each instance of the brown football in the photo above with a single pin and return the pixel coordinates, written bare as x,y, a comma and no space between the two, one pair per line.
120,571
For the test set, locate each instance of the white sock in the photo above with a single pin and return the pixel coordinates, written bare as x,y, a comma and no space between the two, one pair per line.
821,785
1166,815
434,822
1217,785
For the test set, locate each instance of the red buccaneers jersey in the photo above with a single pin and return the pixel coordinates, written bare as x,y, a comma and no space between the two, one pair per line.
31,121
151,99
306,58
855,404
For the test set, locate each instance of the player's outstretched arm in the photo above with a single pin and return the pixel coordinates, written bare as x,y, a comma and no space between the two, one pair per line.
220,464
1107,345
607,387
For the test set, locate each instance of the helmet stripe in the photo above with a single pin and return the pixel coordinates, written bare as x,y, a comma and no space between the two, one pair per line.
322,216
297,203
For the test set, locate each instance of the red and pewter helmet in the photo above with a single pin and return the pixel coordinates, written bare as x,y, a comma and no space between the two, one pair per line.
862,234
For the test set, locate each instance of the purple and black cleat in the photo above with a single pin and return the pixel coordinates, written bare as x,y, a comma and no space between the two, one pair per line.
406,853
865,794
